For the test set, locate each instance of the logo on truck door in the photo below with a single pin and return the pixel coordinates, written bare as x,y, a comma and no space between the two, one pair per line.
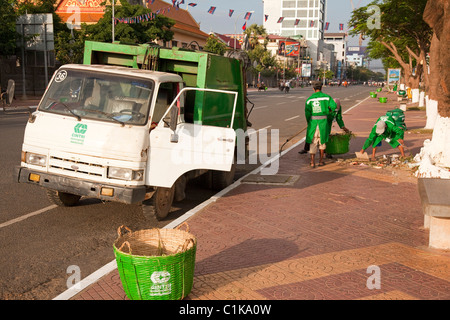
78,134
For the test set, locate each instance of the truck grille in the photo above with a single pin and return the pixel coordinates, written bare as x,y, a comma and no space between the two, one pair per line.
68,166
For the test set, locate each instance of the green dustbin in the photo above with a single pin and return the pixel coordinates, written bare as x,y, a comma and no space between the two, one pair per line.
156,264
338,143
402,93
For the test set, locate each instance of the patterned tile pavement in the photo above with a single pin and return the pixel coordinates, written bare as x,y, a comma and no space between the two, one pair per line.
340,232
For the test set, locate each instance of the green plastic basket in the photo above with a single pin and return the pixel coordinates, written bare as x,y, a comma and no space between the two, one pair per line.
383,99
379,90
373,95
156,264
338,144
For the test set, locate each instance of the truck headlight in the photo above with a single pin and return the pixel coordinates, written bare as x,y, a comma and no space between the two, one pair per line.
36,159
125,174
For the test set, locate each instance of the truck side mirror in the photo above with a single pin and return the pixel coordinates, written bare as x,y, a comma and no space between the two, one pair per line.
173,124
173,118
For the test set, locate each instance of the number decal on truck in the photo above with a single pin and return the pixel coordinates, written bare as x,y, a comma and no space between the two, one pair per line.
61,76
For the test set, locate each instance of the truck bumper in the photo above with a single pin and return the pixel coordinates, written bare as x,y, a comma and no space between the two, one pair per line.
80,187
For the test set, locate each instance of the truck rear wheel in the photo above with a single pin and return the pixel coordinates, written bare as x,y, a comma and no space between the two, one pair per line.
159,205
62,199
222,179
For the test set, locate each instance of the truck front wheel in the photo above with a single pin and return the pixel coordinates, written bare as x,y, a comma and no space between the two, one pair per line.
159,205
62,199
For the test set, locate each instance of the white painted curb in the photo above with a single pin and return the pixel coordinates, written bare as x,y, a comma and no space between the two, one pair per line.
111,266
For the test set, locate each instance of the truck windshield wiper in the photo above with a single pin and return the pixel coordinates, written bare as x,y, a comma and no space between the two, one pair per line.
65,106
108,115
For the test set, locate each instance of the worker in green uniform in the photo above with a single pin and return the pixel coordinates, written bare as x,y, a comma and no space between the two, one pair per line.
318,107
337,115
385,129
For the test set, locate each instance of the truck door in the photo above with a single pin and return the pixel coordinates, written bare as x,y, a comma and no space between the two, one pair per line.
177,149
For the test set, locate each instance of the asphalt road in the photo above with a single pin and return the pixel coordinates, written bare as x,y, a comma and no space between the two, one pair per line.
41,242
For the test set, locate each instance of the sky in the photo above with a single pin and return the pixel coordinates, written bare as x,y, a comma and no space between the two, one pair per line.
337,11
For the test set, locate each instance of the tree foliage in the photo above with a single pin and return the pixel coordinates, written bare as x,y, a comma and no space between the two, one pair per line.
8,34
402,32
214,45
69,44
133,33
258,53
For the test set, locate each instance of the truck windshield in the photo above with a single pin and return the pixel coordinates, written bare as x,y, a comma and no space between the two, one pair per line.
98,95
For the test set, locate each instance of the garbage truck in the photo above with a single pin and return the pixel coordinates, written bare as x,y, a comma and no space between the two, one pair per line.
134,123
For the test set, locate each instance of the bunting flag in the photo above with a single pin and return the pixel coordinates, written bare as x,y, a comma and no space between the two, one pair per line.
211,10
312,24
327,25
230,13
174,2
181,2
296,22
341,27
266,16
248,15
280,20
137,19
244,26
192,4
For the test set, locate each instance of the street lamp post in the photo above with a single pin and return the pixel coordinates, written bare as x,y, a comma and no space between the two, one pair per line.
235,24
113,22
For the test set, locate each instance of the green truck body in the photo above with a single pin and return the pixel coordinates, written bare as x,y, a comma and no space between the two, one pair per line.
198,69
106,130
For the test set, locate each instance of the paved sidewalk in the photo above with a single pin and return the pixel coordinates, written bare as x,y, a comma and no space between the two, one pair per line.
319,235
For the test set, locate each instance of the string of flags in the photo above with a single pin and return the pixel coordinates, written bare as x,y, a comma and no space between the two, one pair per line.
176,4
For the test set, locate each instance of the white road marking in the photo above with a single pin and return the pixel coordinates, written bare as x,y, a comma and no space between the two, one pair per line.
35,213
289,119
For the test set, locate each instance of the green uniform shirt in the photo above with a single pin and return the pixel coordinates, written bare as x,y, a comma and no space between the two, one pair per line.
337,114
391,134
318,107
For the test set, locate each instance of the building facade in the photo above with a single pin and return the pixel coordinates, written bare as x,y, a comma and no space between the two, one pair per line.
339,42
357,56
304,18
186,30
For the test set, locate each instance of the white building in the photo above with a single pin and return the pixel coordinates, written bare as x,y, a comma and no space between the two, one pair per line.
356,56
299,17
339,41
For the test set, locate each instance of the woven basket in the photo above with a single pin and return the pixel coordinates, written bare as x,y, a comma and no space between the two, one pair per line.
156,264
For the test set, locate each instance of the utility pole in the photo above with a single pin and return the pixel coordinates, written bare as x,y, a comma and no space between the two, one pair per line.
113,22
235,23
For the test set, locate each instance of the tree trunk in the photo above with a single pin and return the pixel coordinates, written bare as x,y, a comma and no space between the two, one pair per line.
437,15
434,158
411,81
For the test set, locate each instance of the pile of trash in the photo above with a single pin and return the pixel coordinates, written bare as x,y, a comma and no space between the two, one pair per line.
384,162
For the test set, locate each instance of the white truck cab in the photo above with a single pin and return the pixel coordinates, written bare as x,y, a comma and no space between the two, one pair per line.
119,134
